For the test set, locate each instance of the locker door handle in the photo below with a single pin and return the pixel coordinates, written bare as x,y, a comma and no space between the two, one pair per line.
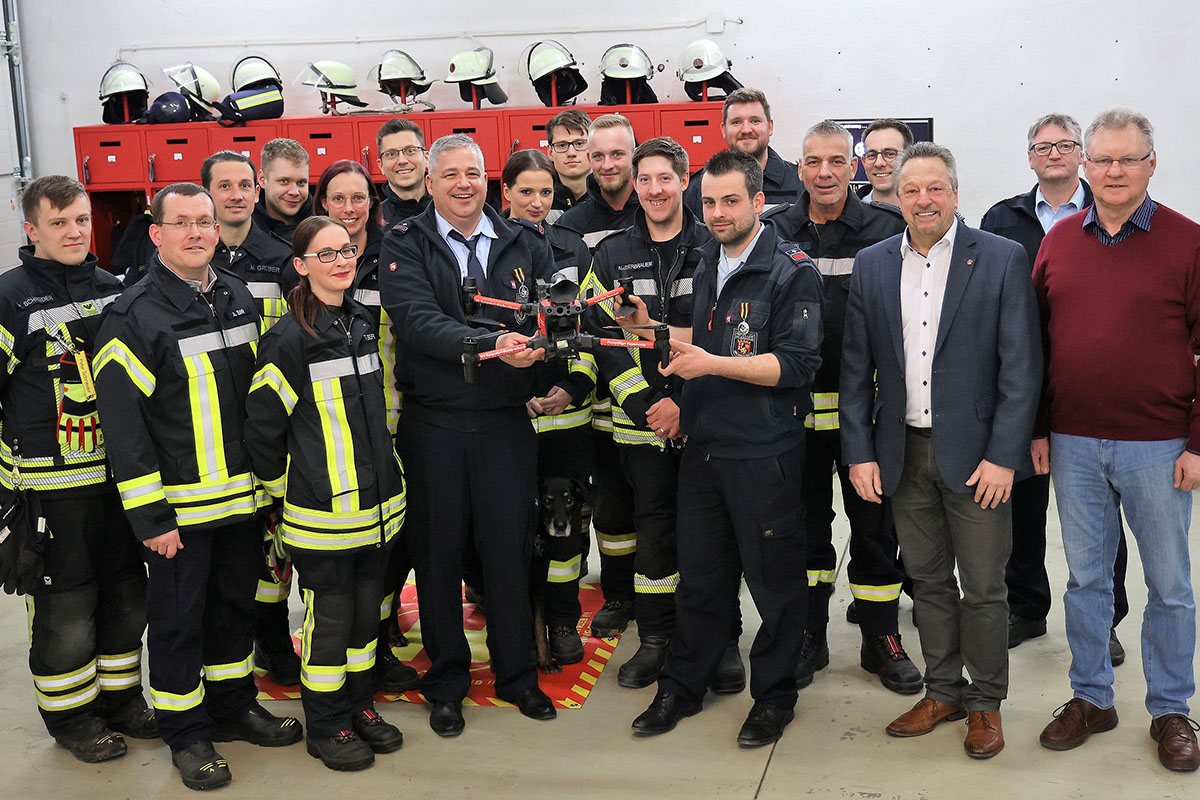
365,151
151,170
87,172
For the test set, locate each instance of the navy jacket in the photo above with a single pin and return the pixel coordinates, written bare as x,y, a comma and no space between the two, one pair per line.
772,304
781,184
1016,219
987,361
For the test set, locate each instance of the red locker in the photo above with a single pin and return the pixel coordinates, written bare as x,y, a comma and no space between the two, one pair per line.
482,126
698,131
644,120
175,152
247,140
367,128
527,129
326,140
110,155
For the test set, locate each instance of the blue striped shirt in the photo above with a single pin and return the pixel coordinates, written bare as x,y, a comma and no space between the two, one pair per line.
1140,218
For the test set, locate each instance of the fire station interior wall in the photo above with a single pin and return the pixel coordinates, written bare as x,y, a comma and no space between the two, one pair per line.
982,70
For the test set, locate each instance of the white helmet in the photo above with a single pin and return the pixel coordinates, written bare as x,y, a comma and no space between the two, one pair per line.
626,61
196,83
334,80
553,71
701,61
545,57
251,72
474,68
122,77
400,76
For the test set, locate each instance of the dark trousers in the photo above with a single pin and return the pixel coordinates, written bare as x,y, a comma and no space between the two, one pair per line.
1025,576
612,519
874,573
653,472
86,621
739,516
342,592
200,607
940,530
485,480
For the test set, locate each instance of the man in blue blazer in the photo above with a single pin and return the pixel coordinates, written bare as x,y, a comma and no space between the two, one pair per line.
941,371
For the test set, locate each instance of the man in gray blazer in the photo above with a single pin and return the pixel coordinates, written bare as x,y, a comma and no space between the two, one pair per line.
941,370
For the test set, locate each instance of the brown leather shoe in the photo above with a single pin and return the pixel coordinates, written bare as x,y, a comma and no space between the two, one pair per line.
1176,737
924,717
985,737
1074,721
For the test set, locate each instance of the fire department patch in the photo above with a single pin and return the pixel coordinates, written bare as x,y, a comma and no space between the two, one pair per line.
744,344
392,267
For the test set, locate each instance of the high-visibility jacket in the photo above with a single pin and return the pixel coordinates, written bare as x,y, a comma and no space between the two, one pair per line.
49,316
173,367
262,261
366,292
631,375
317,436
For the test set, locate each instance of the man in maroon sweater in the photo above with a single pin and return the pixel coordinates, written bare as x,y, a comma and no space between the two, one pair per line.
1119,289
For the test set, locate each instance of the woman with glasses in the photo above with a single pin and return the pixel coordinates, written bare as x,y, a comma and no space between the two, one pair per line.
561,411
317,436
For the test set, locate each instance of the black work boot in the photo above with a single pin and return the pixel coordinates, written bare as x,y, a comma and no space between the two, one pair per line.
565,644
259,726
885,657
380,735
612,619
730,677
279,659
392,674
343,751
134,718
646,664
201,766
814,656
91,741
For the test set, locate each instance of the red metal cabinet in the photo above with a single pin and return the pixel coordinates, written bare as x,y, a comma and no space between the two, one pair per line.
482,126
109,156
326,140
247,140
175,152
698,131
527,130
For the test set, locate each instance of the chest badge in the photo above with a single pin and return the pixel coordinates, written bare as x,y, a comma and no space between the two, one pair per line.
745,341
522,293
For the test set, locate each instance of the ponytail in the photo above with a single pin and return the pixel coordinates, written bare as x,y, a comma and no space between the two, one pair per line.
304,304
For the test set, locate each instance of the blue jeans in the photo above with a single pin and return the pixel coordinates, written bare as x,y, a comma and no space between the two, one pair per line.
1092,478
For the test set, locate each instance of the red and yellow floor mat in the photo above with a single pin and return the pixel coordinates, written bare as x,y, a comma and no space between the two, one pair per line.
568,689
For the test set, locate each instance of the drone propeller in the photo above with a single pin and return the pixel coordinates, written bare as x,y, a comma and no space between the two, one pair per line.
632,327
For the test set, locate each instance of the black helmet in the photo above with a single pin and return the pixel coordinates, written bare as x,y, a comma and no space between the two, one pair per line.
169,107
554,73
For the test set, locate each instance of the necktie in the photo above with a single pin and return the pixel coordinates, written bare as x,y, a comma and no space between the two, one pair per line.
474,268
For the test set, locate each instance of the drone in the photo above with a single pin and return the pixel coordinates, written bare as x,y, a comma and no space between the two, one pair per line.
559,312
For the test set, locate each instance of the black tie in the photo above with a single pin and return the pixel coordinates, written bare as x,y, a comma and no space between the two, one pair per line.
474,268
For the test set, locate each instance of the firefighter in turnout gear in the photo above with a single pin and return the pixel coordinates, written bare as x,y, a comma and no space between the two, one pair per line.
316,431
247,250
175,357
77,560
832,225
659,254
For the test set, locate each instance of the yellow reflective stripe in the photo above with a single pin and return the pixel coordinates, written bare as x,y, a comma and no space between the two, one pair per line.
360,659
564,571
225,672
385,608
7,344
623,544
876,594
117,352
314,677
825,421
339,448
628,383
275,488
117,681
564,421
130,659
168,701
120,671
263,97
141,491
212,500
824,401
67,680
207,429
387,359
816,576
644,585
272,378
585,365
271,592
62,702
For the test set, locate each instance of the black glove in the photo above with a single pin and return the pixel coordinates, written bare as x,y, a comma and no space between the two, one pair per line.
22,544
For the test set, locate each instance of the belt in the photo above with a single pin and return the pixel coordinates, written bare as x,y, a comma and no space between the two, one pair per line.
915,431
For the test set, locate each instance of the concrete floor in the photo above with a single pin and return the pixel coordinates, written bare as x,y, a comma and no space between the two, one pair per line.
836,747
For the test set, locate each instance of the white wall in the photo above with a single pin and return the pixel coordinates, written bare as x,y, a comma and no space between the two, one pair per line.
982,70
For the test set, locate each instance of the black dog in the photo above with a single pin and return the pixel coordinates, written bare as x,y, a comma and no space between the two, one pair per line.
559,536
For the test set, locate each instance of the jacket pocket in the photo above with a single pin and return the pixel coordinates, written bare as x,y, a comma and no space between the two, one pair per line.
808,319
985,408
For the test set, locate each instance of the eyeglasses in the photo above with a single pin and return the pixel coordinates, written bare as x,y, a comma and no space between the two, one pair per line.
341,199
202,225
561,147
412,151
329,255
888,155
1065,147
1128,162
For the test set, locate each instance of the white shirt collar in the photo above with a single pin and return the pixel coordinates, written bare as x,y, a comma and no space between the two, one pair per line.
948,239
484,226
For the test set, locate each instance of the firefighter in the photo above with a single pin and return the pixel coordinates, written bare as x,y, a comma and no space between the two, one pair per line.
317,434
82,571
174,363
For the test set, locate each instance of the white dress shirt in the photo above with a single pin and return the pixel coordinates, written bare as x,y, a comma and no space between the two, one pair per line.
922,289
726,266
483,247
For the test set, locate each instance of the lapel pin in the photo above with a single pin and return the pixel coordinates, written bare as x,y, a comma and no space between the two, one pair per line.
970,262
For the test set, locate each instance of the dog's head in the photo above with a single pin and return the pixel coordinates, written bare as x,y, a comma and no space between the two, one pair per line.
560,501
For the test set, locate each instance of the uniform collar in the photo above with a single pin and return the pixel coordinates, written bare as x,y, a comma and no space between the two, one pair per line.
180,292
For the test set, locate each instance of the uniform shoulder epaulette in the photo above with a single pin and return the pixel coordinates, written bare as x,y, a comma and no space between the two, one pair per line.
793,251
533,226
774,211
227,273
401,227
128,297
